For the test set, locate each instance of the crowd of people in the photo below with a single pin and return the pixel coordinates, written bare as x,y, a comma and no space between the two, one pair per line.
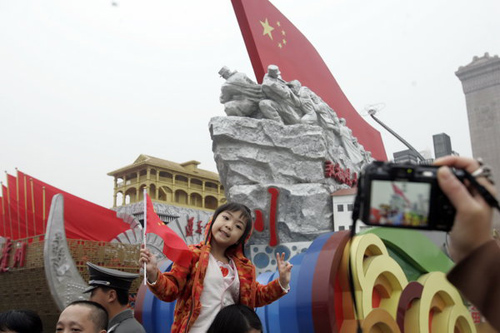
218,291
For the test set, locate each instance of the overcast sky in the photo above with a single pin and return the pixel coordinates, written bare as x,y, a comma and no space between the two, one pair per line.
86,86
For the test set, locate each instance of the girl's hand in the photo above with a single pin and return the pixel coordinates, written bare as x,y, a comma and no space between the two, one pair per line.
151,265
285,270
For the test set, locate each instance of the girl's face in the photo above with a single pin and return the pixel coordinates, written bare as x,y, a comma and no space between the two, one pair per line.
228,228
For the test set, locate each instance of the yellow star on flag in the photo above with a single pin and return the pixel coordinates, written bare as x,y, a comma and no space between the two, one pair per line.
267,28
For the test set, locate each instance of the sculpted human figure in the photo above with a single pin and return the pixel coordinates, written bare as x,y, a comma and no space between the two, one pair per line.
347,142
239,94
281,105
306,105
327,118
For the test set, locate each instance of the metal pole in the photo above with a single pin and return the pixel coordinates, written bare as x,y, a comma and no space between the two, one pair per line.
371,112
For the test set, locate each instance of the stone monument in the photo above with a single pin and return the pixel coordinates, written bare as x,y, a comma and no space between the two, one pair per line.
283,151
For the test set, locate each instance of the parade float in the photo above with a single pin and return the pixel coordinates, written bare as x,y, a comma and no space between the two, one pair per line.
290,140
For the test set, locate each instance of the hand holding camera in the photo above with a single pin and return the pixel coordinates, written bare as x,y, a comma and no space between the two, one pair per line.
473,221
430,197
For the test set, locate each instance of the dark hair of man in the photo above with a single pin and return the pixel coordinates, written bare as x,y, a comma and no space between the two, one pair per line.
20,321
246,215
98,314
121,294
236,318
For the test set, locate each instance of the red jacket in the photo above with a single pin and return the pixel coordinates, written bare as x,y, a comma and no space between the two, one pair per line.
186,285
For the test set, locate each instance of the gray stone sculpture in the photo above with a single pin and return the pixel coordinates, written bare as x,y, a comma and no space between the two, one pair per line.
281,103
285,147
239,94
290,103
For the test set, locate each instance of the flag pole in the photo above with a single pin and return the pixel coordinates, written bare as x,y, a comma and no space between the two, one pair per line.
43,209
144,228
25,205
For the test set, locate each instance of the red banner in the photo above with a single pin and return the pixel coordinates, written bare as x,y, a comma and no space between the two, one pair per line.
13,206
83,219
2,219
271,39
26,206
8,219
22,213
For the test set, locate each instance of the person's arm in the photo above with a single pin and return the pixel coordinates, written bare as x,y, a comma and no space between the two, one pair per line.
266,294
477,273
477,276
166,286
169,285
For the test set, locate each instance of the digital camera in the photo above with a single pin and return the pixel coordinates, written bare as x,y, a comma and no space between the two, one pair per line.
404,196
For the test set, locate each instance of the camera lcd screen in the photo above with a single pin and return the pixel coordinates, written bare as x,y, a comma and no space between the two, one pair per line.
399,203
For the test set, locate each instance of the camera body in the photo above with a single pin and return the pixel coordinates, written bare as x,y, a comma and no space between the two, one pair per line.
404,196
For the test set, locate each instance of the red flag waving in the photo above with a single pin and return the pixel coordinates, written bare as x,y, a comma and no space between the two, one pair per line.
173,246
271,39
399,192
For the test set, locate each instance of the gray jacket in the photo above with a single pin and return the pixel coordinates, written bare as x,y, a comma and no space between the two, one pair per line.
124,322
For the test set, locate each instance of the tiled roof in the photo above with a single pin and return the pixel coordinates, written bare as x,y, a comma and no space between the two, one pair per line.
189,167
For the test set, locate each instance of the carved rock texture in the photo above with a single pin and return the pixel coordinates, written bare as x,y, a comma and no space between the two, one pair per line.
254,154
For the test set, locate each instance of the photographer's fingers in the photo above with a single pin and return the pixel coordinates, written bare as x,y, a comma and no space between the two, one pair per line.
472,226
458,194
466,163
470,165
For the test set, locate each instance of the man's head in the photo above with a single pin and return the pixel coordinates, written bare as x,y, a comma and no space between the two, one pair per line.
225,72
106,296
109,287
295,85
83,316
273,71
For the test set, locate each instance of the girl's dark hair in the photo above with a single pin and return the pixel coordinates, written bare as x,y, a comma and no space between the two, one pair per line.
21,321
246,215
236,318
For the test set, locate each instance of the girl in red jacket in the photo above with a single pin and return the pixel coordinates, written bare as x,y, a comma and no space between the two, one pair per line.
219,273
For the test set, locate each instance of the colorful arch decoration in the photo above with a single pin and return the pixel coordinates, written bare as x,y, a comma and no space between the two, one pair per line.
390,297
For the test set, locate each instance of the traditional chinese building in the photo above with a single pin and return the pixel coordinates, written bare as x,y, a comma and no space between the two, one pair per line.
183,185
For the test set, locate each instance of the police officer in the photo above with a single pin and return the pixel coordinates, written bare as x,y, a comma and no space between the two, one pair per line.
109,287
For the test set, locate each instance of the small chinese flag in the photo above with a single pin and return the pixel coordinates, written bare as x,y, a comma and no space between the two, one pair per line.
173,246
398,191
271,39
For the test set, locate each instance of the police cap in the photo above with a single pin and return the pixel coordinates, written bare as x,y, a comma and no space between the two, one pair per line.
110,278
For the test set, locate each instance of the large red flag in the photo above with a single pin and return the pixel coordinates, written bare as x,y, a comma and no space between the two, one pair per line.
2,219
271,39
83,219
21,190
38,209
173,246
8,217
16,219
26,202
